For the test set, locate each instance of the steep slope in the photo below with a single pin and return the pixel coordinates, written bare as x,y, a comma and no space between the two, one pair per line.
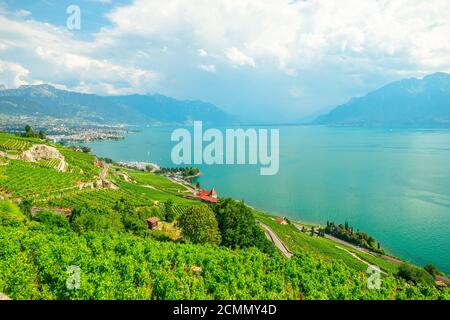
409,102
169,110
46,100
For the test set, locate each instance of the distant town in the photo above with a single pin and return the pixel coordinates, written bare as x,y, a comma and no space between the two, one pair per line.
63,130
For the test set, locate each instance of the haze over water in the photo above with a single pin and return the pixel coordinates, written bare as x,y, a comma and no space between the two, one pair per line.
393,184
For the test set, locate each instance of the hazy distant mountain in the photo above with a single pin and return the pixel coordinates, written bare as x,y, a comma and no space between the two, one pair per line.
46,100
169,110
409,102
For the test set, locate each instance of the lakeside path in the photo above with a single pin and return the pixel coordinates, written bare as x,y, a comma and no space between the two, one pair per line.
354,255
284,249
274,238
364,250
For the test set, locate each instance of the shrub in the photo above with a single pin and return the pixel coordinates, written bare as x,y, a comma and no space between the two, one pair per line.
10,214
199,225
52,219
93,219
25,206
169,212
414,274
431,269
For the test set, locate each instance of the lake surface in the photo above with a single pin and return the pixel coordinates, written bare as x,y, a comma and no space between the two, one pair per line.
393,184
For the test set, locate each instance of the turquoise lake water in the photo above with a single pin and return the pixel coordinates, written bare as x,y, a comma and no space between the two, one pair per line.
393,184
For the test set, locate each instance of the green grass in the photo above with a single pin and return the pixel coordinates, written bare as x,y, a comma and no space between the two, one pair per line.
157,181
106,198
103,198
298,241
154,194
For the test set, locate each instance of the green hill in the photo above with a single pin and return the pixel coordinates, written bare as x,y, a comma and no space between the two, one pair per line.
47,101
92,216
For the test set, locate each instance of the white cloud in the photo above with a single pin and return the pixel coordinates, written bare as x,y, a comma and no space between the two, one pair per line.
351,45
391,35
202,53
51,54
13,74
23,13
208,67
238,58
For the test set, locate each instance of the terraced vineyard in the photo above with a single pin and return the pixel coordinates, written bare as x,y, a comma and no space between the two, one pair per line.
122,259
22,179
49,163
102,199
151,192
13,144
179,209
80,162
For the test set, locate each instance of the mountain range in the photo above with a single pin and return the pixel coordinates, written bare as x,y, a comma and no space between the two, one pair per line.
409,102
46,100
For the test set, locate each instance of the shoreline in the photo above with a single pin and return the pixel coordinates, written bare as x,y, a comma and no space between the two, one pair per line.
388,250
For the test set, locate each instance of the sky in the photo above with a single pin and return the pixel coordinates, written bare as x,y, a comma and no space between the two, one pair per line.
263,60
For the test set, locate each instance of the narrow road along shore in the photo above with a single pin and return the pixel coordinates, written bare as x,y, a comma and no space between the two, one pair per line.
276,241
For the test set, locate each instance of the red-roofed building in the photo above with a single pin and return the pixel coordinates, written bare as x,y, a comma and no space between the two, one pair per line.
281,221
152,222
207,196
213,193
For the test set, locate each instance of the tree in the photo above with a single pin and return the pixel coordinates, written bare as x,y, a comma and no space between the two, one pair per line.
28,129
132,220
199,225
29,132
96,220
238,226
85,149
42,135
169,213
52,219
431,269
414,274
26,207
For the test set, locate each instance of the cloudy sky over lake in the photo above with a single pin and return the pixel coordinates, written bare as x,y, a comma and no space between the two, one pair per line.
266,60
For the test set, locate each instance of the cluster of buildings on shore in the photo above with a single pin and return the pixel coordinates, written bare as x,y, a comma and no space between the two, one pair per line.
142,166
87,135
